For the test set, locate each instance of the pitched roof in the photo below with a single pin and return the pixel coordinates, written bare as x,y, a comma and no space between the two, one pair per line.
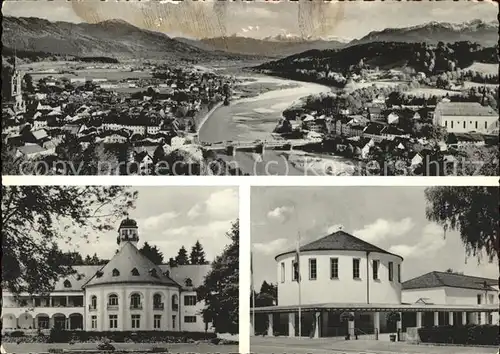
128,258
196,273
341,241
77,280
439,279
464,109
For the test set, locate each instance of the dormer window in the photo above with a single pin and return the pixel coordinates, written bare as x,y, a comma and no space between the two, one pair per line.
153,272
135,272
98,274
166,273
67,284
116,272
188,282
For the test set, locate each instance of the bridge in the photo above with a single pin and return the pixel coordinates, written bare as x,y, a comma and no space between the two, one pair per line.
257,146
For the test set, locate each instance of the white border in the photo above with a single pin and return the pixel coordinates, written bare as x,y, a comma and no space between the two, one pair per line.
244,256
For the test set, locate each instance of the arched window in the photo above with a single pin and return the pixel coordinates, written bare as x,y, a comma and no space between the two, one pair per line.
135,272
153,272
67,284
116,272
175,302
157,303
135,301
113,300
93,302
188,282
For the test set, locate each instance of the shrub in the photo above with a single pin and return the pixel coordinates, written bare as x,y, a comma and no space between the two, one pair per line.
58,335
106,345
17,334
470,334
159,350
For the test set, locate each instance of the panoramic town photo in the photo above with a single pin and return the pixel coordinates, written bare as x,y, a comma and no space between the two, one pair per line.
250,88
120,269
333,271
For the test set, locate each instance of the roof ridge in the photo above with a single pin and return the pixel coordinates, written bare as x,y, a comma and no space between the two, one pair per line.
435,273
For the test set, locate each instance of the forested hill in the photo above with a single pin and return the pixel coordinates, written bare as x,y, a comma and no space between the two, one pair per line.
421,57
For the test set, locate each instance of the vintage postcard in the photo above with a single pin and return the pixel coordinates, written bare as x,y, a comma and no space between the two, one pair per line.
250,88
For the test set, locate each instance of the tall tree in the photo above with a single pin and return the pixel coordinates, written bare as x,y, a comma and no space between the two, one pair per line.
182,257
152,253
220,290
472,211
197,255
35,218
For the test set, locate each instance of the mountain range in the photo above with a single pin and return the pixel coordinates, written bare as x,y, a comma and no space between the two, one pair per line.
120,39
484,33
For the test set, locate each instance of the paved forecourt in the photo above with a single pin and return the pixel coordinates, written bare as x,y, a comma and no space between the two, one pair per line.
282,345
172,347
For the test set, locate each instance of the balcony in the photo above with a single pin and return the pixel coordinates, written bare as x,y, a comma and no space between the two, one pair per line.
175,307
159,306
112,307
136,306
92,308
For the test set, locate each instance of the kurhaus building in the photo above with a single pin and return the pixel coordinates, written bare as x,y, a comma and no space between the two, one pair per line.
129,293
349,286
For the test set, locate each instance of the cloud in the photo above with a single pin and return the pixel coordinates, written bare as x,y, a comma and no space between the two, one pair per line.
383,229
431,241
280,214
220,205
273,247
195,211
155,222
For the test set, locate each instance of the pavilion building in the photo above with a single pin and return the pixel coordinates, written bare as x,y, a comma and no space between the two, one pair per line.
349,286
128,293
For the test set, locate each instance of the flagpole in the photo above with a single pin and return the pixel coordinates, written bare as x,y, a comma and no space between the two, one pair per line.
299,280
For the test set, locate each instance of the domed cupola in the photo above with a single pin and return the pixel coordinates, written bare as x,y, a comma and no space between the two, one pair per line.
128,232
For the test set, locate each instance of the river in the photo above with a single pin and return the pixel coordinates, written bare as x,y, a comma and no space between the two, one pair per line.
254,118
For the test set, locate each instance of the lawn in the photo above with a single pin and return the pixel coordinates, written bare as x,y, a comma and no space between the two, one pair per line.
172,347
266,345
484,68
430,91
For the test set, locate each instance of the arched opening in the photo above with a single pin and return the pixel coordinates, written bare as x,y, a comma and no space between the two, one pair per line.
25,321
67,284
175,302
93,302
9,321
157,302
188,282
116,272
112,300
59,321
135,272
42,321
135,301
75,321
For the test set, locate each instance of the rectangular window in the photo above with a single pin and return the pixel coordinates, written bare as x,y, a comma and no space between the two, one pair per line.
491,298
189,319
157,322
399,273
479,299
113,321
189,300
476,124
465,124
282,272
355,268
376,263
391,271
294,278
485,125
446,123
93,322
452,124
334,268
313,271
174,321
136,321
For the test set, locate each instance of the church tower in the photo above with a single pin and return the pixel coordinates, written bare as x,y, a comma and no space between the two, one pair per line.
128,232
16,88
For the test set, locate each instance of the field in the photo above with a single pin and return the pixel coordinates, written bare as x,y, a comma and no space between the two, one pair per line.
430,91
469,84
484,68
360,85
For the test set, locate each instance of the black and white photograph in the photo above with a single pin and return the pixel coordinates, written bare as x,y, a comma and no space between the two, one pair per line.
286,88
120,269
335,270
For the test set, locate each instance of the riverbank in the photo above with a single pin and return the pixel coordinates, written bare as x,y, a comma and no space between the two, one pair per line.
253,118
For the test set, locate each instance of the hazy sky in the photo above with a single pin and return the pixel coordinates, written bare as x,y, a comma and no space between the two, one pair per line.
392,218
171,217
257,18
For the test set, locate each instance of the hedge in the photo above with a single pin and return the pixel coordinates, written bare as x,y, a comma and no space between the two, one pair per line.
470,334
64,336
